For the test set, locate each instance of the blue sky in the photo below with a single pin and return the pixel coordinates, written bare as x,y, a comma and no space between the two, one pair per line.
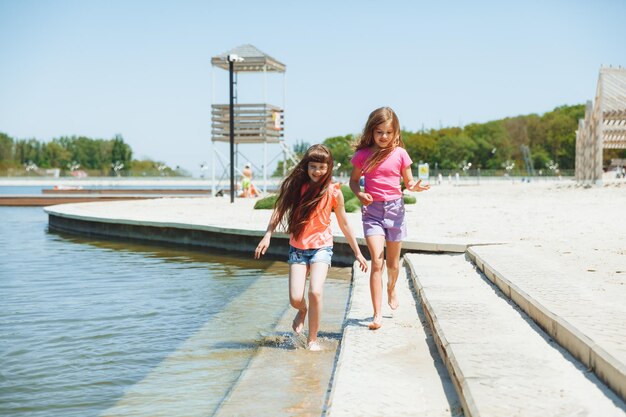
142,68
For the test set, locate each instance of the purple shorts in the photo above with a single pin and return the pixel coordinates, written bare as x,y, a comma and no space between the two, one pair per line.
385,218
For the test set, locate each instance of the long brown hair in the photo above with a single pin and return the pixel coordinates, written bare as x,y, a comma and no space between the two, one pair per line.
293,208
377,117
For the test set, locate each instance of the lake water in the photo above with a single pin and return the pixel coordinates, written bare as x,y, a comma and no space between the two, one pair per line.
90,328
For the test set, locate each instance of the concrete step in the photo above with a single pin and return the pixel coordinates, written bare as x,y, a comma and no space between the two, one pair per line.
393,371
583,311
500,361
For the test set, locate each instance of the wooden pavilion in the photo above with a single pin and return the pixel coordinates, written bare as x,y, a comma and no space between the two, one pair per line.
604,125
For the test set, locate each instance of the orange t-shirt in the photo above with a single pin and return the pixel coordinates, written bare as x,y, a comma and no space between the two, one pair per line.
317,232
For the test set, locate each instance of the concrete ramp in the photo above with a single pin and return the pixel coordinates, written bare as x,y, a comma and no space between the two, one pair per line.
501,362
393,371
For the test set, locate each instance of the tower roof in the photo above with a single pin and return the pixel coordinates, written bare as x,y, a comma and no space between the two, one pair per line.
254,60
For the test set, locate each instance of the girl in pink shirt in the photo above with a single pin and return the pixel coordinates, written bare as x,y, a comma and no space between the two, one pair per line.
380,157
305,201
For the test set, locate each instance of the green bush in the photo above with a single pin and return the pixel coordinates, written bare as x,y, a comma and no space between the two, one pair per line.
409,199
352,205
266,203
347,193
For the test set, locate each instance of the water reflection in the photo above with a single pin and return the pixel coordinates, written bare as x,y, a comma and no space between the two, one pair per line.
93,327
174,253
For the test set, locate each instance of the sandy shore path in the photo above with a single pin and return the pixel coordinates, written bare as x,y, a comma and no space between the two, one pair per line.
585,228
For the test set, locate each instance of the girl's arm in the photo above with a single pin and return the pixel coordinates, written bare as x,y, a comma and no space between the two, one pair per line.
411,184
365,198
342,219
265,242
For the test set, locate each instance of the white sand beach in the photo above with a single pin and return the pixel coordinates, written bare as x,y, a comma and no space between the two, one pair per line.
582,227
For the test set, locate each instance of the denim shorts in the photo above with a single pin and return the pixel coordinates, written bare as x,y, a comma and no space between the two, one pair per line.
310,256
385,218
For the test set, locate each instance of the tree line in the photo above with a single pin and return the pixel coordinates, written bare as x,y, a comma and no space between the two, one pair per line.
70,153
495,145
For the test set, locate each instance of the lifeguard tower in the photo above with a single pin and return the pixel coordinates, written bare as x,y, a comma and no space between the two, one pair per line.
251,123
604,125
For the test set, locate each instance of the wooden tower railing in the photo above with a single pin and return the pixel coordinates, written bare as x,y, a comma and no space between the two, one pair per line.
254,123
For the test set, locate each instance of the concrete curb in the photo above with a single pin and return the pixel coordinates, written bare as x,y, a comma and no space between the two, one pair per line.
609,369
215,237
447,355
341,351
224,239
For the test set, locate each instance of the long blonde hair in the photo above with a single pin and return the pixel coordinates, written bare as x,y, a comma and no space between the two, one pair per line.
377,117
293,208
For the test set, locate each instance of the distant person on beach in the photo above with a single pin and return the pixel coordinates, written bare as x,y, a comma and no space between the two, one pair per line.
246,180
381,158
305,201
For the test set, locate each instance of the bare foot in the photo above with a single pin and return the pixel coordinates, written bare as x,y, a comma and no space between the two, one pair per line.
376,323
314,346
392,299
298,322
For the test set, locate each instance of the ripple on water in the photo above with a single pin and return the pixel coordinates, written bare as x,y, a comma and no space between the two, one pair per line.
99,327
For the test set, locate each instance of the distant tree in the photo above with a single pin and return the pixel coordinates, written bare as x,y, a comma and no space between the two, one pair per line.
452,151
540,157
121,152
493,144
55,155
342,150
454,147
421,146
6,150
560,126
28,150
301,147
150,168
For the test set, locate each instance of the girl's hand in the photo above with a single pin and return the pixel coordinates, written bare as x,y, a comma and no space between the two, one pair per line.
262,247
362,262
365,198
417,186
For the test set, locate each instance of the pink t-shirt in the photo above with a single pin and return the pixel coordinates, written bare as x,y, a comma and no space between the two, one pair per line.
383,182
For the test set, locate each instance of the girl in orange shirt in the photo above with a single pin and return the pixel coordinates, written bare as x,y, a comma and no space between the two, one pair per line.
305,201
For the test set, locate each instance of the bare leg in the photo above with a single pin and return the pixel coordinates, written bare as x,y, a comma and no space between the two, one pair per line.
393,269
376,246
297,283
317,278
